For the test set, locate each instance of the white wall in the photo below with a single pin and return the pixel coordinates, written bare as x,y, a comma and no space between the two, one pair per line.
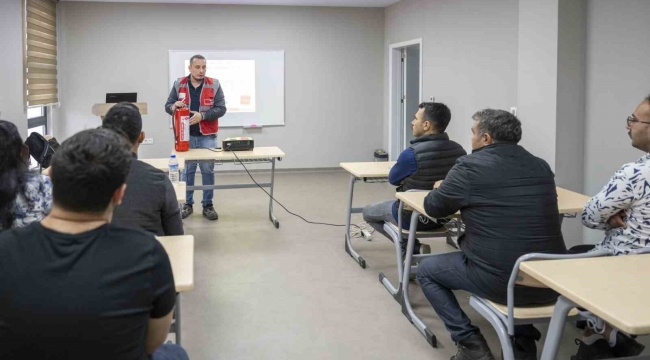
11,65
524,53
537,76
570,123
618,58
333,79
469,55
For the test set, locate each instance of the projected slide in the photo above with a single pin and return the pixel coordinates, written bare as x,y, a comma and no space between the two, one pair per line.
252,82
237,78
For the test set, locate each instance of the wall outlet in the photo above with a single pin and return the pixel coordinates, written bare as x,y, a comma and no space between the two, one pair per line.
148,141
432,99
513,111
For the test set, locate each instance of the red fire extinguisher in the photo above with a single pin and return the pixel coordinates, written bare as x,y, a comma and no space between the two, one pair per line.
181,124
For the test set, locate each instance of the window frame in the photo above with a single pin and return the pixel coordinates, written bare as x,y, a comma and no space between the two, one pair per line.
39,120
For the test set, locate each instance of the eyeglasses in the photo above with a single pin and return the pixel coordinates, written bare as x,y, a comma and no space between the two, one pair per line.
632,119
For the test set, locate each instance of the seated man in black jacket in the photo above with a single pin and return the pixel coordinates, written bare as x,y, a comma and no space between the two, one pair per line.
426,161
150,202
508,201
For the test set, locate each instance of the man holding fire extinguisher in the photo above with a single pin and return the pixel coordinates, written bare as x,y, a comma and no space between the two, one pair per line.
204,97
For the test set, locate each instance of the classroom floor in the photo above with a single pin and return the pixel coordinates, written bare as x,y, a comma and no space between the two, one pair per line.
294,293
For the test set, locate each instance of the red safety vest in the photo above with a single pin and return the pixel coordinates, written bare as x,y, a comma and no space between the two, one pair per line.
210,85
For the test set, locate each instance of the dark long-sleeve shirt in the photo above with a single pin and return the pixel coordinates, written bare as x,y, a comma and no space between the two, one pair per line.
149,203
195,104
405,166
508,202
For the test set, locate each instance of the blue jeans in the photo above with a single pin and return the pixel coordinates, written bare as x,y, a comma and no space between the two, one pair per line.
207,169
169,352
438,275
378,214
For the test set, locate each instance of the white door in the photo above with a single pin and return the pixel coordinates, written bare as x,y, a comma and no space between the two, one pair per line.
411,91
404,94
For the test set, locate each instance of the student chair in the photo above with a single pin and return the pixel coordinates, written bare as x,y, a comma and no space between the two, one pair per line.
504,317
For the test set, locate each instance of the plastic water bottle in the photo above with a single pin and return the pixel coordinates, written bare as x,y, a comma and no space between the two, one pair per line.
173,170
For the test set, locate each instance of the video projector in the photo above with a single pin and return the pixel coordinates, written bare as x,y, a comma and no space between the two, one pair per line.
242,143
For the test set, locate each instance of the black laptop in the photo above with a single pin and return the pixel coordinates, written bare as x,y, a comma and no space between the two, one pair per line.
114,98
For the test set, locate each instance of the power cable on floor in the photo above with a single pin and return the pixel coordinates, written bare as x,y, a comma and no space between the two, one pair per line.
357,232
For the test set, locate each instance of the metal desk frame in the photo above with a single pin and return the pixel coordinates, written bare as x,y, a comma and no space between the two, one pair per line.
348,244
397,238
270,185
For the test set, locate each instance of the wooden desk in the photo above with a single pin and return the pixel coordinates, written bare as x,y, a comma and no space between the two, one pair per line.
180,250
163,164
379,169
568,202
259,155
606,286
160,164
369,172
181,190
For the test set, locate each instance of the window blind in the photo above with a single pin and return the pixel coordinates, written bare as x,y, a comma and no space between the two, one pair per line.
40,53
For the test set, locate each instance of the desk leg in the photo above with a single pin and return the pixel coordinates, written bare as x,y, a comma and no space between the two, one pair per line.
177,322
348,243
407,310
397,240
554,334
272,217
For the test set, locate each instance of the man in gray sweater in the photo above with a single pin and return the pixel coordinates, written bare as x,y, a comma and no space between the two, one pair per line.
149,203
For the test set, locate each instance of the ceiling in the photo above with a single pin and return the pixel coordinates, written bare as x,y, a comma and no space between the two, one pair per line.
347,3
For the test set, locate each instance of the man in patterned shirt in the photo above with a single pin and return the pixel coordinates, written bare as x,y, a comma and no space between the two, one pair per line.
622,210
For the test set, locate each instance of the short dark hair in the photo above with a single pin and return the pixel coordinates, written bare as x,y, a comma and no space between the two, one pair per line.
647,98
88,168
12,170
197,56
124,118
438,114
503,126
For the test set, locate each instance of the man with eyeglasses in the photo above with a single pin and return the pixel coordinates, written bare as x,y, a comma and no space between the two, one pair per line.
622,210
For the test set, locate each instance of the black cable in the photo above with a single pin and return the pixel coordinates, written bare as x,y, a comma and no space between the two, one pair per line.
276,201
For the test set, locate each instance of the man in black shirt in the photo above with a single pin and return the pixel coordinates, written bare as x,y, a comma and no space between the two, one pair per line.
508,201
150,199
76,287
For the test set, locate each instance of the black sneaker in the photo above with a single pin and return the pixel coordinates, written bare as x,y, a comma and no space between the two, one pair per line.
600,349
418,249
524,348
523,343
473,348
187,210
626,347
210,213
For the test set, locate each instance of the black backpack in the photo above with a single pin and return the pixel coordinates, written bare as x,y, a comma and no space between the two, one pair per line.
41,149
